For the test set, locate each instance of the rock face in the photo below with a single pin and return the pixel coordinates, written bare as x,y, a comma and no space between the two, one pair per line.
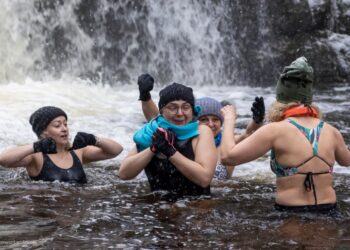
203,42
271,34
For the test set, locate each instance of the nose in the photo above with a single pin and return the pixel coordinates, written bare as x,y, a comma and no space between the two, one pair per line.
64,128
210,123
180,111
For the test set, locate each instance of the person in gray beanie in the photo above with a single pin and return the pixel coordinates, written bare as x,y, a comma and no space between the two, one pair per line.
208,114
47,159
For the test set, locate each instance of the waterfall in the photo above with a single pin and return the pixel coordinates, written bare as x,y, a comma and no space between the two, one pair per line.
112,41
194,42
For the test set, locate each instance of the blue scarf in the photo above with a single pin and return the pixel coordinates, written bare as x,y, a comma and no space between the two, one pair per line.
143,137
218,139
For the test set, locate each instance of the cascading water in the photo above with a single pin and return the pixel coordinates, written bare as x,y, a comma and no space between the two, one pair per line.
114,42
217,42
85,55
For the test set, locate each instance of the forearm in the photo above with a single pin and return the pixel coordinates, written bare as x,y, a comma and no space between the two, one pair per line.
193,170
251,128
149,109
132,165
228,139
230,170
108,146
12,157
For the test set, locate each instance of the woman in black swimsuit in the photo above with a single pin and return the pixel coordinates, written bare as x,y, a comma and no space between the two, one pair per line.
177,154
51,158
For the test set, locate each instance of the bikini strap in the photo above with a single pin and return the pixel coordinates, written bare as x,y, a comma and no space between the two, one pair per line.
312,135
309,183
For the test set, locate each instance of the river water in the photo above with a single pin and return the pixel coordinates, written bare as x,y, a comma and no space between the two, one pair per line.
109,213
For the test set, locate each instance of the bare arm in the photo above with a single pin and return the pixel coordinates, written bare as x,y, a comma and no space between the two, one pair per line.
134,163
104,149
251,148
250,129
230,170
342,153
21,156
201,170
149,109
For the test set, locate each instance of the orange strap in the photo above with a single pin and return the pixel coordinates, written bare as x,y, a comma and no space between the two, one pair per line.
300,111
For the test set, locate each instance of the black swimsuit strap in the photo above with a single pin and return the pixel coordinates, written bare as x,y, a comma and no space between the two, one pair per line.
308,159
309,183
319,157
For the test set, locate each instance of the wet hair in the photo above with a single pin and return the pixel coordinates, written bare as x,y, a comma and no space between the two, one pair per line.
275,113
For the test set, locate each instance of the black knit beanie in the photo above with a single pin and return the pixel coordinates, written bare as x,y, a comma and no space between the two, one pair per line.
175,92
41,118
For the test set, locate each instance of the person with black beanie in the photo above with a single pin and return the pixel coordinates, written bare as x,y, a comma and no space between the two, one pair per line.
177,154
51,158
209,115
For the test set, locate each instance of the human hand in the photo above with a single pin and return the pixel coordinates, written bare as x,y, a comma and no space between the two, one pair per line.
258,110
82,140
46,146
228,112
163,142
145,82
225,103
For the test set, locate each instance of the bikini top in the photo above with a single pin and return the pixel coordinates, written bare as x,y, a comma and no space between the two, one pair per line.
313,136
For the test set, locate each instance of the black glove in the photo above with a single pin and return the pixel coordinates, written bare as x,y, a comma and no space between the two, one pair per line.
225,103
258,109
145,82
82,140
163,142
47,146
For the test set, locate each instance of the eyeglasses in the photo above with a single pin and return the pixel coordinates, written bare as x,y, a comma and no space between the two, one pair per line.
174,109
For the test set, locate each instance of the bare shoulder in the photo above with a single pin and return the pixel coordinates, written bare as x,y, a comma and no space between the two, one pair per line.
79,153
205,134
333,130
331,127
272,128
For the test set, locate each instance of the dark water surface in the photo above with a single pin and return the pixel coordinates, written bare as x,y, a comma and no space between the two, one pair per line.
110,213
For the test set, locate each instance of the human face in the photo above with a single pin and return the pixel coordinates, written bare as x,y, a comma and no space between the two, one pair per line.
58,130
212,121
178,112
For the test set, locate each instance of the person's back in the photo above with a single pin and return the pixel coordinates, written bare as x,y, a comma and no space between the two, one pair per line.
303,147
296,155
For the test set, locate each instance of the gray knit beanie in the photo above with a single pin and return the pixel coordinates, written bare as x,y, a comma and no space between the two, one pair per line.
209,106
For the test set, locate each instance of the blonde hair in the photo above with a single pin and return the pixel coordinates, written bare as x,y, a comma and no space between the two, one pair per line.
275,113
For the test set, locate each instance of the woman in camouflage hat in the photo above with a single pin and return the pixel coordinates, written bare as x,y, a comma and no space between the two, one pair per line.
303,147
51,158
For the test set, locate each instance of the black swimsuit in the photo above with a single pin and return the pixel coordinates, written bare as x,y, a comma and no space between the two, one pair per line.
51,172
163,175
